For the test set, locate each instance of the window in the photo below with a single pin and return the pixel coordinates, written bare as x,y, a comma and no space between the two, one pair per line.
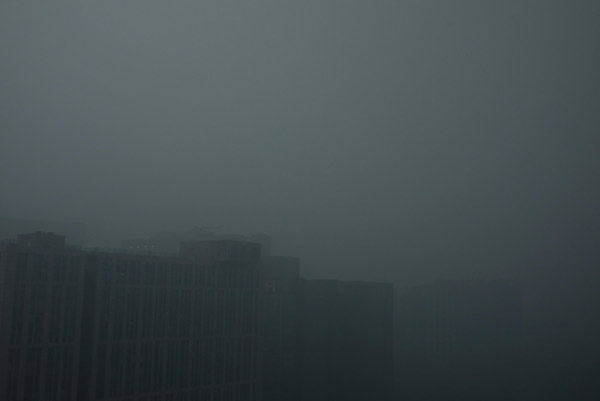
36,314
67,371
55,312
119,306
58,269
158,366
18,315
161,274
145,378
131,318
14,357
104,312
196,359
39,269
187,275
100,371
270,286
21,274
199,279
175,274
184,312
106,273
33,361
172,365
149,272
173,310
160,312
130,365
121,272
73,270
197,312
207,362
183,364
115,387
147,313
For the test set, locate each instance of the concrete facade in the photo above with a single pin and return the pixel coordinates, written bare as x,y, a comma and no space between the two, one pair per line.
90,325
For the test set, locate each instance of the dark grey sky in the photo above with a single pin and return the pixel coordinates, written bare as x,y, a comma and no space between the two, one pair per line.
375,139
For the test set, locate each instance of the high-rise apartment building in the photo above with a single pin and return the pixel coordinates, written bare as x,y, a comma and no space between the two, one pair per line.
91,325
216,321
41,297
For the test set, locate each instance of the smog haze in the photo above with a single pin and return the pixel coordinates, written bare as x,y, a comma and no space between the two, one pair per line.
380,140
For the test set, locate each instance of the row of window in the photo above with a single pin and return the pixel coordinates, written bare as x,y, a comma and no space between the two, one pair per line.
58,371
43,267
241,392
130,312
66,268
61,302
165,366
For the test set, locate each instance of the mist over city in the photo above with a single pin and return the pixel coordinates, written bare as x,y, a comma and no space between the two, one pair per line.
330,200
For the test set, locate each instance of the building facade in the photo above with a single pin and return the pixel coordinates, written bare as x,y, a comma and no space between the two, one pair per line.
460,338
91,325
347,340
216,321
281,328
41,298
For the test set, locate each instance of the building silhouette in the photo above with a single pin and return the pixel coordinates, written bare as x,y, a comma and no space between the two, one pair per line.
281,319
218,320
41,298
169,241
347,340
460,339
10,228
325,339
98,325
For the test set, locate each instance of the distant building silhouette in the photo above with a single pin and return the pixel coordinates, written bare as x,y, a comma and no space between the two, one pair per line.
347,341
10,228
168,241
281,328
460,338
324,339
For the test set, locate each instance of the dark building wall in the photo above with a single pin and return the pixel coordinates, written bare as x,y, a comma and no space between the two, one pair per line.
364,318
177,328
91,325
80,325
347,340
40,317
460,338
324,340
318,361
280,322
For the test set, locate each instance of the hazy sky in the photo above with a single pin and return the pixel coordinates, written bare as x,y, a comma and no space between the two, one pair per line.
375,139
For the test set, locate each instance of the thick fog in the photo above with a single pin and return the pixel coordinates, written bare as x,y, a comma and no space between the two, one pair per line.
396,141
387,140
